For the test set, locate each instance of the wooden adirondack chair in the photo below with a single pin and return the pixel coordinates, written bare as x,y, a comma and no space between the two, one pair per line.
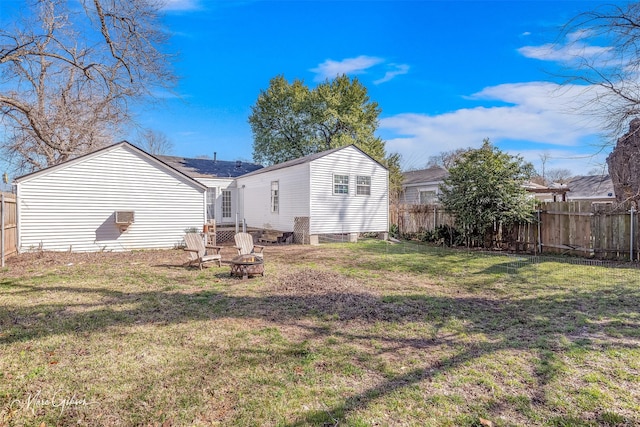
199,252
245,246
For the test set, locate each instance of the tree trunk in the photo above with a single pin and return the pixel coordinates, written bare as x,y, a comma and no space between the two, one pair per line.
624,165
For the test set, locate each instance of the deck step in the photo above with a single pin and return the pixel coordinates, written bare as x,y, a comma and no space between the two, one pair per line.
270,238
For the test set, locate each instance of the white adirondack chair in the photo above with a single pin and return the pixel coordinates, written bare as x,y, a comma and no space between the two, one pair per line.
199,252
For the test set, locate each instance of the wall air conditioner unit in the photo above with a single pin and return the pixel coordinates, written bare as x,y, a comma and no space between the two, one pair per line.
124,219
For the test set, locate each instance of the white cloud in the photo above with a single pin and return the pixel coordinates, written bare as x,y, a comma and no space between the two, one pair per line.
563,53
575,48
181,5
539,113
329,69
398,69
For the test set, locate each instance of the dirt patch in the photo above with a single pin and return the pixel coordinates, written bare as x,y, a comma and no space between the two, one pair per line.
307,282
335,296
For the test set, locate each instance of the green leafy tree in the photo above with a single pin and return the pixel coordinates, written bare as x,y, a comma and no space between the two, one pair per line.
281,122
342,114
484,191
289,120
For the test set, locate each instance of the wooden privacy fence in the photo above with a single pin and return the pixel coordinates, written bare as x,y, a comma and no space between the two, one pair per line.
416,218
8,226
591,229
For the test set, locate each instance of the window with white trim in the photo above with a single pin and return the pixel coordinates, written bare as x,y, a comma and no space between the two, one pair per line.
363,185
275,196
340,184
226,204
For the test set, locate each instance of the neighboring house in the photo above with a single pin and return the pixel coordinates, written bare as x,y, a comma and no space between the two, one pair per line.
339,191
552,193
595,188
422,187
122,198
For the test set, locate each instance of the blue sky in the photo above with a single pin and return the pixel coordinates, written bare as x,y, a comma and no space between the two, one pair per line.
446,74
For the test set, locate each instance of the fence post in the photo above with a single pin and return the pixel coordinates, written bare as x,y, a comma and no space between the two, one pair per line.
435,216
539,245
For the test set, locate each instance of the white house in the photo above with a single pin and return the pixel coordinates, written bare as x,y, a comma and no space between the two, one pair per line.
116,198
219,177
122,198
339,191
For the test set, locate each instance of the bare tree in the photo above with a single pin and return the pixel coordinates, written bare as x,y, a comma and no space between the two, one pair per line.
69,75
446,159
544,158
609,73
558,175
155,142
610,76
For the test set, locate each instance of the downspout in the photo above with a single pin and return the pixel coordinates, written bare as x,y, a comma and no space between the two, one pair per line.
244,220
539,245
18,222
237,206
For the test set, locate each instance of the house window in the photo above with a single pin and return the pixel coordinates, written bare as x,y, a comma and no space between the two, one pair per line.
363,185
340,184
275,196
428,197
226,204
211,204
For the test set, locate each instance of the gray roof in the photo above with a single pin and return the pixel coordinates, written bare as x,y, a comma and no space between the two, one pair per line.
591,187
432,174
209,168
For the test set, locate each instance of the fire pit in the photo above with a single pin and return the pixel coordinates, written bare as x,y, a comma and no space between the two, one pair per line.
247,265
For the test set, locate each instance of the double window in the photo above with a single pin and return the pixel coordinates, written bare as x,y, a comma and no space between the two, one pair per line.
341,185
275,196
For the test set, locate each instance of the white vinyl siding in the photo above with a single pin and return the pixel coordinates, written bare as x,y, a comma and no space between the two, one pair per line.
307,190
350,214
72,207
293,197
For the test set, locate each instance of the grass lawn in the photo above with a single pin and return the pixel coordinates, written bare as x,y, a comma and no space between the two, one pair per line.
334,335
